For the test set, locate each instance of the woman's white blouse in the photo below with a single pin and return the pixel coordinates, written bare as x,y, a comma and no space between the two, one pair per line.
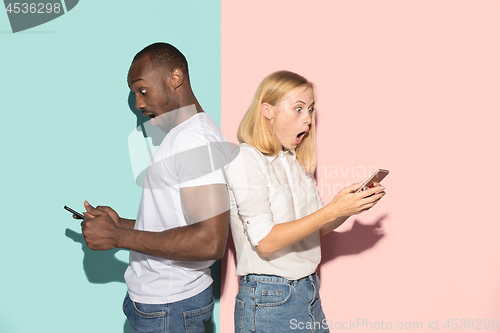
265,191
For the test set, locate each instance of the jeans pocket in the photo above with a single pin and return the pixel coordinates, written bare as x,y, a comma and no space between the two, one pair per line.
239,308
194,320
272,294
149,310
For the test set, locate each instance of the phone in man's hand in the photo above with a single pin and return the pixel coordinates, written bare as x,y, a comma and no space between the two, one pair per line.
80,215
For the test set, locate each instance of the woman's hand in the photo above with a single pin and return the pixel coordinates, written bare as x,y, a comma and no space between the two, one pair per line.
347,202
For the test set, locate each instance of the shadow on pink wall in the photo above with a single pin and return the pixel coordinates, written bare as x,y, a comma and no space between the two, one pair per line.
360,238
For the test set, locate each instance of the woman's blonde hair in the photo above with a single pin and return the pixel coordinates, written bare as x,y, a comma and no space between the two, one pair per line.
255,130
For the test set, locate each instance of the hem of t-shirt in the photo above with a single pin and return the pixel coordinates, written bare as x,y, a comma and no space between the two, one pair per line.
170,299
215,177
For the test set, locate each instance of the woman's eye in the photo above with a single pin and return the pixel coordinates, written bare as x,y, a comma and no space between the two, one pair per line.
311,110
298,109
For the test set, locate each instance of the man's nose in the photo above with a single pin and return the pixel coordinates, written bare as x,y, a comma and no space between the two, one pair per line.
139,102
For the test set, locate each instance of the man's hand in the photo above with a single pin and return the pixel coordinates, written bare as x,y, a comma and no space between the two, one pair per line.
119,221
99,228
107,209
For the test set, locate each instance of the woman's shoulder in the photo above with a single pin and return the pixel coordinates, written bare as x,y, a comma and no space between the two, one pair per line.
247,156
246,151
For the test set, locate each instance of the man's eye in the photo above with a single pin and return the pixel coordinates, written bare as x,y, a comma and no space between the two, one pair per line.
298,109
143,91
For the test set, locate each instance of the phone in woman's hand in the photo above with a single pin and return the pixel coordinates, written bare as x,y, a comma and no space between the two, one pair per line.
375,178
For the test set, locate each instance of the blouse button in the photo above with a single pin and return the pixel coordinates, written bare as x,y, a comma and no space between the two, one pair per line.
248,222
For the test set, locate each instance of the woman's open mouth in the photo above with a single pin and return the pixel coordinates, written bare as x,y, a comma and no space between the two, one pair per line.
300,136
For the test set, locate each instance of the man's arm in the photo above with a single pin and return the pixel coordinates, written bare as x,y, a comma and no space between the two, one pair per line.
127,223
205,240
206,209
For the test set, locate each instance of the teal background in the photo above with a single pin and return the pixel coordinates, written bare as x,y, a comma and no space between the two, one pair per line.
64,140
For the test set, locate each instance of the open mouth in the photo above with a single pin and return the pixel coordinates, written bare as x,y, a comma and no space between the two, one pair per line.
300,136
151,118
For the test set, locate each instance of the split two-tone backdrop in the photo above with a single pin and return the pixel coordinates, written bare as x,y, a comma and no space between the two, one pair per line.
408,86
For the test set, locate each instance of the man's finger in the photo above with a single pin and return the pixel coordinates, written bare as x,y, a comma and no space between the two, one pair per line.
92,210
88,215
104,208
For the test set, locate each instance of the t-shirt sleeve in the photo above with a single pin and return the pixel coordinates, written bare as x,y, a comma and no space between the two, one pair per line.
199,158
248,183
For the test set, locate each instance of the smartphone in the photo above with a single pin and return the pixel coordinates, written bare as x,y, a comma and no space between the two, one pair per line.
375,178
80,215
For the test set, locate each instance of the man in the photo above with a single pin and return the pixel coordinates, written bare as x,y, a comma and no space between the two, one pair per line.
182,223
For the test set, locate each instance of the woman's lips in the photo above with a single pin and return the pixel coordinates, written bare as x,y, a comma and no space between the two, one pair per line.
300,136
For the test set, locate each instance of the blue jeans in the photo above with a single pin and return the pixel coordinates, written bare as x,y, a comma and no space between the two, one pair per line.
268,303
188,315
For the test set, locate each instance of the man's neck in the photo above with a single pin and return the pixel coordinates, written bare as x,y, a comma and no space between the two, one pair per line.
184,113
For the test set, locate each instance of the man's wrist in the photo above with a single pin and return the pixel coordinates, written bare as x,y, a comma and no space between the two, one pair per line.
122,237
121,222
126,223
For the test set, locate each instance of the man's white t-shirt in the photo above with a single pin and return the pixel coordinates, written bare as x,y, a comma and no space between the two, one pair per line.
192,154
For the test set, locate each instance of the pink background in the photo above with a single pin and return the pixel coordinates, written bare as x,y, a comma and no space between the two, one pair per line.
410,86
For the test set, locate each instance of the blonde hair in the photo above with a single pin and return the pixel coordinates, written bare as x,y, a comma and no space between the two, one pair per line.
255,130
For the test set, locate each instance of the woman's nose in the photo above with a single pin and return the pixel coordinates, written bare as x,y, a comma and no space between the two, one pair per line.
308,119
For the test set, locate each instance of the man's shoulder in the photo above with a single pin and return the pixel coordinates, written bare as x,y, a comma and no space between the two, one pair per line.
200,123
200,131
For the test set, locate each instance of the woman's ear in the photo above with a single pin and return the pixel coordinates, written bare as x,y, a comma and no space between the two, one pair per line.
267,110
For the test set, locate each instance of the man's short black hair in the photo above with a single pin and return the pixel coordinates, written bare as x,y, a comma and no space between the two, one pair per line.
164,57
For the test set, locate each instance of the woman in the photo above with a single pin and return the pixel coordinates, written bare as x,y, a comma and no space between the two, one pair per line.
277,216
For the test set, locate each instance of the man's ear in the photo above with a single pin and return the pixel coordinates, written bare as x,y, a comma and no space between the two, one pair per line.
176,78
267,110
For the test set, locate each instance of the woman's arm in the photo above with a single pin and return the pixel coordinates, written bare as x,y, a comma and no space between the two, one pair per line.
325,219
330,226
249,184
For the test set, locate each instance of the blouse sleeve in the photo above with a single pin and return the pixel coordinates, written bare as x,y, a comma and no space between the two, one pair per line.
248,182
318,197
